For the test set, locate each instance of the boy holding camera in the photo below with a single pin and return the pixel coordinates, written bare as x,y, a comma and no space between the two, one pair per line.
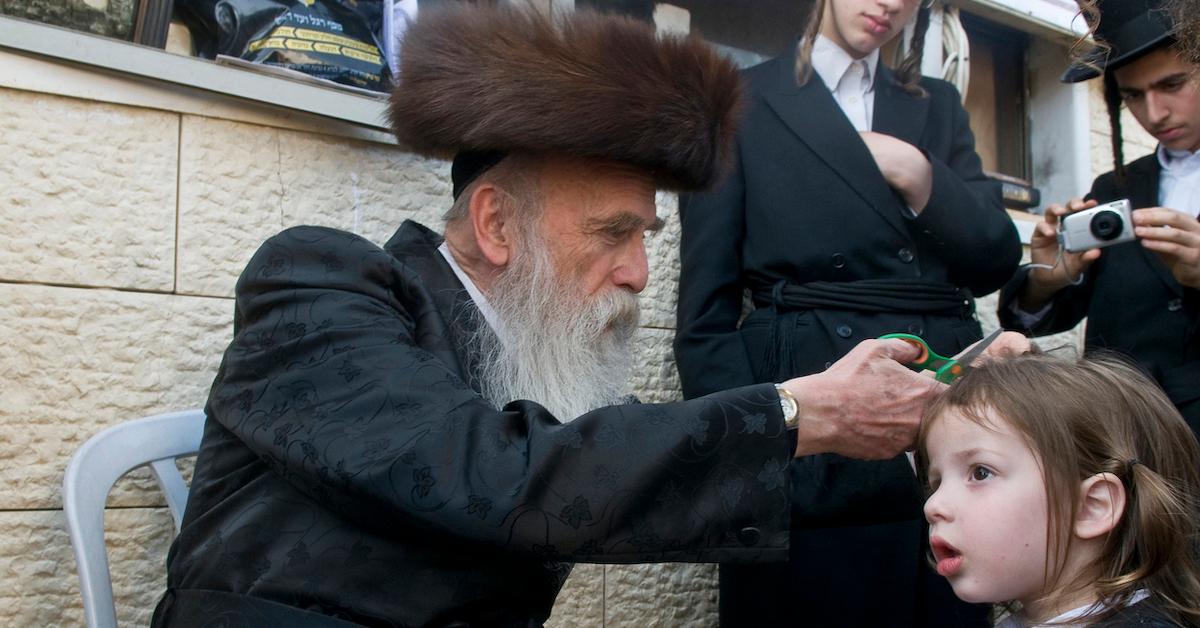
1134,274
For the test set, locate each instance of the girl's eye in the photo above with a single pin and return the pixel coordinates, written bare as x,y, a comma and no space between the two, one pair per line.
980,473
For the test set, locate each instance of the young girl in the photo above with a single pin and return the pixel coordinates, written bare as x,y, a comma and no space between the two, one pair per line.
1066,490
856,206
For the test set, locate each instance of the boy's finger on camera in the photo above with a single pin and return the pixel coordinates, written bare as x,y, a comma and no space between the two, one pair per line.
1165,217
1167,234
1057,210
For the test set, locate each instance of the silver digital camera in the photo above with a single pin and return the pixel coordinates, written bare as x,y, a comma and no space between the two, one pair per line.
1102,225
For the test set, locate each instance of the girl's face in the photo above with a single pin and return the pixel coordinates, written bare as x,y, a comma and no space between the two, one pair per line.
861,26
987,514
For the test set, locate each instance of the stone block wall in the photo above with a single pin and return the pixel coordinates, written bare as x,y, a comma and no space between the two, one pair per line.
122,233
1137,142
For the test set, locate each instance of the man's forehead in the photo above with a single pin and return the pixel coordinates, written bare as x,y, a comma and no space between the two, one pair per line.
604,189
1156,66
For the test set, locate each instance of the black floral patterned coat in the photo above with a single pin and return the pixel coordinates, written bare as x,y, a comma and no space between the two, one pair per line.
350,472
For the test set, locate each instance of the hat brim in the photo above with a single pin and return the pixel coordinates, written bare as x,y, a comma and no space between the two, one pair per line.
1096,61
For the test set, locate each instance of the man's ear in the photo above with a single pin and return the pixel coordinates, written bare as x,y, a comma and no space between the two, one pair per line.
490,221
1101,505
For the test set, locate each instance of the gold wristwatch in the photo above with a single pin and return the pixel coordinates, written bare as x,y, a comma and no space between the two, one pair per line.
789,406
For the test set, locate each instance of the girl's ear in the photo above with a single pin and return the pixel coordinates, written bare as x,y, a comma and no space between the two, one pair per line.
1101,504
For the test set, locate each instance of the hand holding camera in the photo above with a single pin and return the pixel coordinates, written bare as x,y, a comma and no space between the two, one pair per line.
1053,267
1175,236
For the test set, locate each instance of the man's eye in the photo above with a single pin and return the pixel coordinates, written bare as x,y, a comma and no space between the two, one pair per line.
980,473
616,234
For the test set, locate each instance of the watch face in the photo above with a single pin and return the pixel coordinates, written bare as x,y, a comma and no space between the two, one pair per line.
787,404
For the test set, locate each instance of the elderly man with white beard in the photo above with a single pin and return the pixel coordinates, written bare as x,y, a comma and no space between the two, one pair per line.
430,432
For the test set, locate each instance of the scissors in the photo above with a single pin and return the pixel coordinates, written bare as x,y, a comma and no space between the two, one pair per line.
945,369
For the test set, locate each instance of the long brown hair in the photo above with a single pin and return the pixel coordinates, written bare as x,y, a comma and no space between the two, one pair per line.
908,73
1099,416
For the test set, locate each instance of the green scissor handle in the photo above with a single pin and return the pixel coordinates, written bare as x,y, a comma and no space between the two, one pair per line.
945,369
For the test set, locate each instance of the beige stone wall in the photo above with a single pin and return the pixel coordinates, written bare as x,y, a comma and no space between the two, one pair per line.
1137,141
122,232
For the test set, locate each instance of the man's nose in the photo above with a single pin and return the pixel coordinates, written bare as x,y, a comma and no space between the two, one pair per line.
1156,107
633,269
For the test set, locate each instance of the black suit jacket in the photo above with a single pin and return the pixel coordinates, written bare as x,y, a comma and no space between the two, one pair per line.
1133,304
350,471
806,202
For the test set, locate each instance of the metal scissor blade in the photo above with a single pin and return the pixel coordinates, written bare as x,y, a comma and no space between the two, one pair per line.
969,355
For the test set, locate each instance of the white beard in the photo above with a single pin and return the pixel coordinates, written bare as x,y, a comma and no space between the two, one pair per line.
569,353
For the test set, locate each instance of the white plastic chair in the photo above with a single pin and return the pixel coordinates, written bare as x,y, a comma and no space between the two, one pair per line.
156,441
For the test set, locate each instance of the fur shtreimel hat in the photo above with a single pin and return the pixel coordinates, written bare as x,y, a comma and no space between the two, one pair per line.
480,81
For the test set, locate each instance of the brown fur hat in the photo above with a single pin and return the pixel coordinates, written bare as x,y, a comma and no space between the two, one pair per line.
499,78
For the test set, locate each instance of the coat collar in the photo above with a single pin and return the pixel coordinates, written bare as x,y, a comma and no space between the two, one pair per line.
415,245
812,114
1142,179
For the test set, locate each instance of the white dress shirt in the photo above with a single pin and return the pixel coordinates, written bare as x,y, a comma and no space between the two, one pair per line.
850,80
1179,183
481,302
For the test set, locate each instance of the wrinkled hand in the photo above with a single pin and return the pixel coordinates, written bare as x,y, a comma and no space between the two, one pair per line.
1175,236
1006,345
904,167
868,405
1043,249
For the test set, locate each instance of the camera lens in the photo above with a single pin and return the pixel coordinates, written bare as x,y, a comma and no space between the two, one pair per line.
1107,225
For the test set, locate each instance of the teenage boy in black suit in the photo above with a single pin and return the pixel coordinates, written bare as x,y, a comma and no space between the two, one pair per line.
1140,297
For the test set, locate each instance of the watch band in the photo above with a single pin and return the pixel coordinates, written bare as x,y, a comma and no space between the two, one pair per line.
789,406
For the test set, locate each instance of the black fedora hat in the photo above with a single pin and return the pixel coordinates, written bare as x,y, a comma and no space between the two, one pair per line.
1128,29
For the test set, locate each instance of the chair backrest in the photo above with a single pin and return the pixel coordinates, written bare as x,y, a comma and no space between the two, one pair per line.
155,441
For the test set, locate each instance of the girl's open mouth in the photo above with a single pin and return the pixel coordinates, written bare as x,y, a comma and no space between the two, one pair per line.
949,559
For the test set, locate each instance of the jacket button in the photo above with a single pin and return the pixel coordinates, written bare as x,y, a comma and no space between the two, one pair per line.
915,329
844,330
749,536
839,260
905,255
1174,305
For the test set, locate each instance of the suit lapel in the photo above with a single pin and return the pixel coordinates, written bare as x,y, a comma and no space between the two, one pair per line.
898,113
1143,192
812,114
